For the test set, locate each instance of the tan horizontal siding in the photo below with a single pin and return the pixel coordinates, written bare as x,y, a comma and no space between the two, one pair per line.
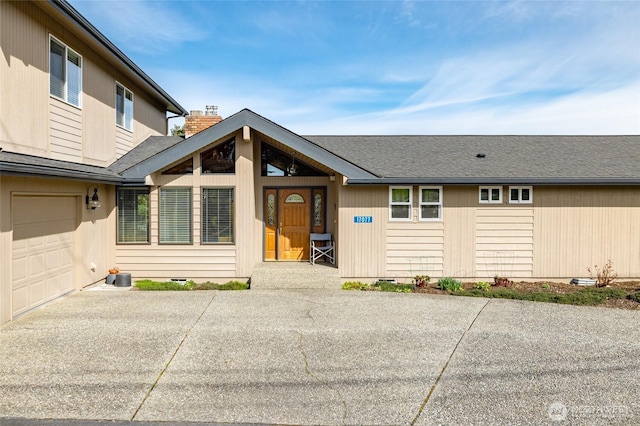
65,131
414,248
193,262
500,249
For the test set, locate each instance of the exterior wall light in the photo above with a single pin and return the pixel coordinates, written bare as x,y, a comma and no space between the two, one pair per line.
93,202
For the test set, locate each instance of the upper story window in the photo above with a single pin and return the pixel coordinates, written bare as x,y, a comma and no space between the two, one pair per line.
219,159
490,194
430,203
400,203
278,163
124,107
520,194
184,168
65,73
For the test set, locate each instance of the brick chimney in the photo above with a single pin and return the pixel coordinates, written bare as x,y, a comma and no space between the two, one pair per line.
196,121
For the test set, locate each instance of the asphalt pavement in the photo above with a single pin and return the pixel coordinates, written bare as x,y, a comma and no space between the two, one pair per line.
313,357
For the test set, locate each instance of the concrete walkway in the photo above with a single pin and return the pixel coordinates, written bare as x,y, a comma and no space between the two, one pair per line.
295,275
314,357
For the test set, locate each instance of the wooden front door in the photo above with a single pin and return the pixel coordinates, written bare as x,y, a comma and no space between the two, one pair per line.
288,217
293,241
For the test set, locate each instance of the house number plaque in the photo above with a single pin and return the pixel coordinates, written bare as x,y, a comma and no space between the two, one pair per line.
363,219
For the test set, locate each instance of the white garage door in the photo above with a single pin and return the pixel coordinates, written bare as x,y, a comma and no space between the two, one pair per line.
43,250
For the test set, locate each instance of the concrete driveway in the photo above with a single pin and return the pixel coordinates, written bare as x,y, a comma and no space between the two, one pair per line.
320,358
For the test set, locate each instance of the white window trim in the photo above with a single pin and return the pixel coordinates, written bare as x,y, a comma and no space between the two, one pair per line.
124,116
409,203
428,203
490,189
520,200
65,84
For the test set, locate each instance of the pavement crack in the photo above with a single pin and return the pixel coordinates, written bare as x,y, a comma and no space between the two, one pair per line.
446,364
319,380
173,355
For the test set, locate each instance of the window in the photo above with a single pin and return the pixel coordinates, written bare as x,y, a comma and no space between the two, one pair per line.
175,215
430,203
520,194
65,73
220,159
279,163
400,202
184,168
490,194
133,215
217,215
124,107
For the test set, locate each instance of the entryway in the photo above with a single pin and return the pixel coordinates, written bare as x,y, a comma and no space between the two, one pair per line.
295,275
291,215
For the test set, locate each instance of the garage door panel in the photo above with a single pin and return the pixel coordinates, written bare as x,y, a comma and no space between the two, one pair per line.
43,250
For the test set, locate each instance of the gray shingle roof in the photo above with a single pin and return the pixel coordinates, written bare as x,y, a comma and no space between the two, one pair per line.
508,159
12,163
151,146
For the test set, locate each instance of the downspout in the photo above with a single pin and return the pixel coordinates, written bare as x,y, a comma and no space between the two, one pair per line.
166,122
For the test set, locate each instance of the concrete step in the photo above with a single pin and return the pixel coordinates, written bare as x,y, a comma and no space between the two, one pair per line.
295,275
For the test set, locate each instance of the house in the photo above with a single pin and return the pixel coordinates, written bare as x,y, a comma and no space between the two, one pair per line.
247,190
244,190
71,103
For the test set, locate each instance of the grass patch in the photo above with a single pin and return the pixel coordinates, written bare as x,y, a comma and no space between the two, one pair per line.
355,285
150,285
393,287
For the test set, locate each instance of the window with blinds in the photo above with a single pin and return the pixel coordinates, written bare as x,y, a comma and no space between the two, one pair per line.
65,73
217,215
175,215
133,215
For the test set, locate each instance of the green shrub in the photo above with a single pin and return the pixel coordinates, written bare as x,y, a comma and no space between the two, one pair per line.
635,297
588,296
449,284
355,285
483,285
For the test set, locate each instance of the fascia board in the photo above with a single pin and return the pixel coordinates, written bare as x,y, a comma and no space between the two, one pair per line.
495,181
10,169
231,125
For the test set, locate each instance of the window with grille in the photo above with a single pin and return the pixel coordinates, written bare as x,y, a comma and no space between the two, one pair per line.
400,202
175,215
430,203
133,215
65,73
217,215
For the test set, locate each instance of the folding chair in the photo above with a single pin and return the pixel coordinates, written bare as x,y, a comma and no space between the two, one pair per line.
326,248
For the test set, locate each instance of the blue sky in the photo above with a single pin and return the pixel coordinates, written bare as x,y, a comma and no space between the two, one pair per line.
392,67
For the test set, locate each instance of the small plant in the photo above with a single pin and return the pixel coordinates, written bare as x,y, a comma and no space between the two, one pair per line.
545,285
604,276
392,287
483,285
355,285
501,281
421,281
114,270
634,296
449,284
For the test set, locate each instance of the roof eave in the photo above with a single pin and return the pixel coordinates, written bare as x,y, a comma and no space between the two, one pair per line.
495,181
13,169
231,125
66,10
